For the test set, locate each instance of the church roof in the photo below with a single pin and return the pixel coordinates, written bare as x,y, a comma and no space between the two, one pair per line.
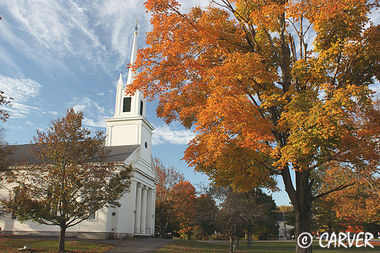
22,154
120,153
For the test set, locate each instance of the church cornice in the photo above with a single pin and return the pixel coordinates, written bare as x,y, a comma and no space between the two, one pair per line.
128,118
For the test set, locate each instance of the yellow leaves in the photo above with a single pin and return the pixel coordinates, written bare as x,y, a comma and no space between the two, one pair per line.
267,16
320,123
337,19
310,73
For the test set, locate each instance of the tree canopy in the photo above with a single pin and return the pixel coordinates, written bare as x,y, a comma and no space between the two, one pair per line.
271,87
70,181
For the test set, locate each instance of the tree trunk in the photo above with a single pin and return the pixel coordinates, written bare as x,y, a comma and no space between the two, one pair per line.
62,239
303,222
301,198
231,243
249,239
303,212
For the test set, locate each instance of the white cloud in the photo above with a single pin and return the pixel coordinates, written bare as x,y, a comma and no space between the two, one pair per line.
94,114
117,19
100,122
53,113
165,134
97,33
21,90
48,32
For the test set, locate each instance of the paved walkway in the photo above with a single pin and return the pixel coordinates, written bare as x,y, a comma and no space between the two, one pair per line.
137,245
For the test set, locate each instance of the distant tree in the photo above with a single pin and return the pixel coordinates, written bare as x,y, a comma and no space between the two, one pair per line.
229,222
183,199
265,226
166,219
4,153
325,218
205,214
175,211
253,211
167,178
4,149
4,101
72,179
175,199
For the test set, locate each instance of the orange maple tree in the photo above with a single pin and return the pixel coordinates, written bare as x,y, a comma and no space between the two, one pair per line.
358,203
271,87
175,199
183,199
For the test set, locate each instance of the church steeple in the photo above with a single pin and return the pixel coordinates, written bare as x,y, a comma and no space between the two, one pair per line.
129,105
129,126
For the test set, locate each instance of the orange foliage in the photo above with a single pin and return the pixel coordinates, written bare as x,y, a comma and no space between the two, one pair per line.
183,197
175,198
358,203
268,86
258,101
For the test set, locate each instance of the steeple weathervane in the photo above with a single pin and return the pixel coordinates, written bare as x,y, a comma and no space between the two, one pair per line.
137,26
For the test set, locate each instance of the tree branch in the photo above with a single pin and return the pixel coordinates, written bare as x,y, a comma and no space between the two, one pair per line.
341,187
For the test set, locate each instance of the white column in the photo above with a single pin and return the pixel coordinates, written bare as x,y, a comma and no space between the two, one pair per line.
153,214
132,208
138,210
149,212
143,211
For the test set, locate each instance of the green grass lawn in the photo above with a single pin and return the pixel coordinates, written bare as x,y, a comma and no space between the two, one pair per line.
262,247
8,245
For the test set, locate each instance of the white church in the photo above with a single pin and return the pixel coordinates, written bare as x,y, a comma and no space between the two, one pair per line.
129,139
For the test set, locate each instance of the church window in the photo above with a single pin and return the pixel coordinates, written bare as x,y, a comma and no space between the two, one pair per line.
127,104
141,107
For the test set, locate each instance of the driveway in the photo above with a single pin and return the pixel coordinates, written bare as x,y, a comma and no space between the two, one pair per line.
137,245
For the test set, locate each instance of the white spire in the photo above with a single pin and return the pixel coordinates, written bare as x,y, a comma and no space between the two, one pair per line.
120,82
131,74
119,90
129,105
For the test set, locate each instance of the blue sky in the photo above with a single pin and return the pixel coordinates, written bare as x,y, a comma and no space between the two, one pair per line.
60,54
